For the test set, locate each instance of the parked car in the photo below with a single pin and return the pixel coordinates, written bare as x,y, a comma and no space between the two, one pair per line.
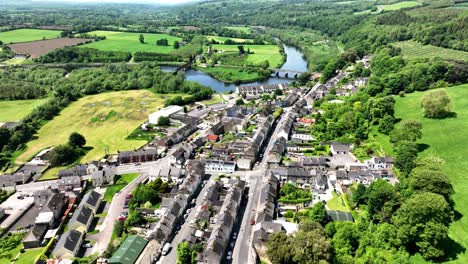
252,221
229,255
87,245
234,235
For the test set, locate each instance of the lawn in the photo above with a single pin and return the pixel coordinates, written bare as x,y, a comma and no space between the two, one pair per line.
400,5
23,35
126,41
18,109
215,99
231,75
28,256
51,173
17,62
448,139
260,54
104,119
336,203
240,28
415,50
122,181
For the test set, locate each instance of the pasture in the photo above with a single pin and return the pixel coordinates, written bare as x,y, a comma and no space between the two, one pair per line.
104,119
11,111
447,139
24,35
241,29
126,41
414,50
260,54
223,39
231,75
391,7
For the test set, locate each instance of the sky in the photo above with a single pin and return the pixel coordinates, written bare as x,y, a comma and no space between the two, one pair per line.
123,1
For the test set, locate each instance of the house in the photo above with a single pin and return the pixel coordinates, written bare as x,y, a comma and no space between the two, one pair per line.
136,156
213,138
180,155
292,148
285,127
301,138
55,205
166,112
77,170
129,250
380,162
166,174
68,245
81,219
306,121
338,148
245,163
69,183
92,200
35,235
103,177
220,166
195,172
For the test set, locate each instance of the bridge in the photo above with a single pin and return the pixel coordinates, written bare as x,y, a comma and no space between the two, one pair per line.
288,74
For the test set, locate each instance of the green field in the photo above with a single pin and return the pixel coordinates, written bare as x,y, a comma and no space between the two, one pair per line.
414,50
261,53
242,29
23,35
15,110
448,139
215,99
17,62
122,181
28,256
222,39
125,41
104,119
231,75
391,7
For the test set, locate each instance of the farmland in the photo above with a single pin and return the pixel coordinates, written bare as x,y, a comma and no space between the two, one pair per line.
38,48
391,7
447,138
23,35
240,28
104,119
260,54
223,39
414,50
16,110
125,41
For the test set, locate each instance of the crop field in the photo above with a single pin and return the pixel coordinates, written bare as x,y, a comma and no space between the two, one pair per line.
41,47
242,29
222,39
414,50
104,119
261,53
447,138
23,35
11,111
126,41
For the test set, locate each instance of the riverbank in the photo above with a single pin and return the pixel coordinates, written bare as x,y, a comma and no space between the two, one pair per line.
235,75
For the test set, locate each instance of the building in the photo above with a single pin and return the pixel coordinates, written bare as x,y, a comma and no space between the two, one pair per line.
68,245
92,200
244,164
81,219
166,112
136,156
103,177
338,148
69,183
220,166
35,236
129,250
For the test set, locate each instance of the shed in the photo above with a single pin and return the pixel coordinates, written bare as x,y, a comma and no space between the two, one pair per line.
129,251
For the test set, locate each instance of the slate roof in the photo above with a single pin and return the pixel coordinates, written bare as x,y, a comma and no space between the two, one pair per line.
92,198
82,215
70,240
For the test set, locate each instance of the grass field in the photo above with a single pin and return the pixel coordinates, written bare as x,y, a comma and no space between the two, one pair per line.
16,110
336,203
125,41
215,99
448,139
122,181
51,173
391,7
28,256
242,29
231,74
222,39
104,119
414,50
261,53
18,62
23,35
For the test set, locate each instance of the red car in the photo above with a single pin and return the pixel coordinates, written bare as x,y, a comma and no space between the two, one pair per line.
252,221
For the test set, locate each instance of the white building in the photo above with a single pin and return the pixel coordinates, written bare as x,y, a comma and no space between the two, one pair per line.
166,111
220,166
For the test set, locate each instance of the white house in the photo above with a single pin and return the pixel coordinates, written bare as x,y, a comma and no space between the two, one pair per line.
166,111
244,163
220,166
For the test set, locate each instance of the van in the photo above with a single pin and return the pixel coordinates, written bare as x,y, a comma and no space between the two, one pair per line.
166,249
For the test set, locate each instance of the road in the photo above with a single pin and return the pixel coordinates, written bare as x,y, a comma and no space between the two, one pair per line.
116,205
184,232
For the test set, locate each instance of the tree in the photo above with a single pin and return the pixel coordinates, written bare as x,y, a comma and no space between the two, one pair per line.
406,153
76,140
164,121
359,195
241,49
141,39
311,247
240,102
184,254
387,124
409,130
427,180
63,155
118,228
422,223
382,200
436,104
278,92
176,44
318,214
279,250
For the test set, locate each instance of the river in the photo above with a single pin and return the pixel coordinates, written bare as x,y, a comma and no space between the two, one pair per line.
294,62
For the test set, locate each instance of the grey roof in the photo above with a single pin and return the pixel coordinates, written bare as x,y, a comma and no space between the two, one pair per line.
92,198
82,215
70,240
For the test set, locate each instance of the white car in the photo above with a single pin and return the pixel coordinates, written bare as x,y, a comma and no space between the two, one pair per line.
229,255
